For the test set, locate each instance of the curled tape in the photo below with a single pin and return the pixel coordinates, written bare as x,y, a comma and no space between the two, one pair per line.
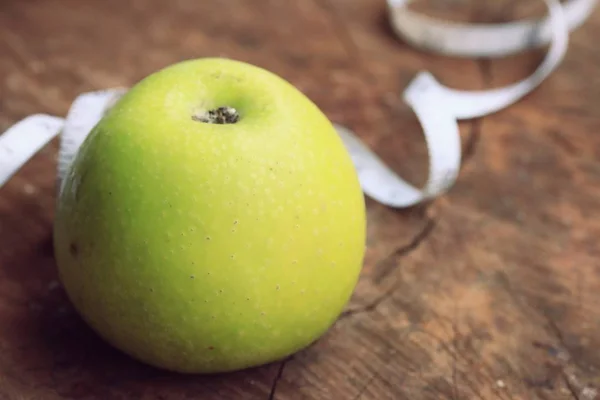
480,40
437,107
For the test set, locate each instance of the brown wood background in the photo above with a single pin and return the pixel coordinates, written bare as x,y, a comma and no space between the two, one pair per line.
491,292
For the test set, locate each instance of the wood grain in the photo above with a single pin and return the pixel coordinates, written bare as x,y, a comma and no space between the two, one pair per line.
491,292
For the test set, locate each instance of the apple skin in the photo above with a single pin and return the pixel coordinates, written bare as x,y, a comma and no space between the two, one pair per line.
203,248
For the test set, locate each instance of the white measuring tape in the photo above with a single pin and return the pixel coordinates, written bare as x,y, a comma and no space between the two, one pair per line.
437,107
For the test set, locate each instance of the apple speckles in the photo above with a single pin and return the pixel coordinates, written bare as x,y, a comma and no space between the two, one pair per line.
192,277
277,287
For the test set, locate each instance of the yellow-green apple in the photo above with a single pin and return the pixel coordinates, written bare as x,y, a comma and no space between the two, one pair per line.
211,221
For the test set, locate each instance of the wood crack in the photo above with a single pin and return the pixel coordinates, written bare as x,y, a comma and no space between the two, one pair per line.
388,264
485,69
277,378
371,306
363,390
472,141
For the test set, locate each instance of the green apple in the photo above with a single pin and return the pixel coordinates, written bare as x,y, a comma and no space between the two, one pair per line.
211,221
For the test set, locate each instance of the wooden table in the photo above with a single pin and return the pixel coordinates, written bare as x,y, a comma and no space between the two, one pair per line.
490,292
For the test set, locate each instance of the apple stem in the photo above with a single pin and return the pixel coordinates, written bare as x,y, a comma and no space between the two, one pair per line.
221,115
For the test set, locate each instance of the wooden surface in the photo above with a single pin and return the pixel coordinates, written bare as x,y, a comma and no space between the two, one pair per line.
491,292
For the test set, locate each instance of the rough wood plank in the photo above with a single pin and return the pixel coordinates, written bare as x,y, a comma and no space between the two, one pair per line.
489,293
